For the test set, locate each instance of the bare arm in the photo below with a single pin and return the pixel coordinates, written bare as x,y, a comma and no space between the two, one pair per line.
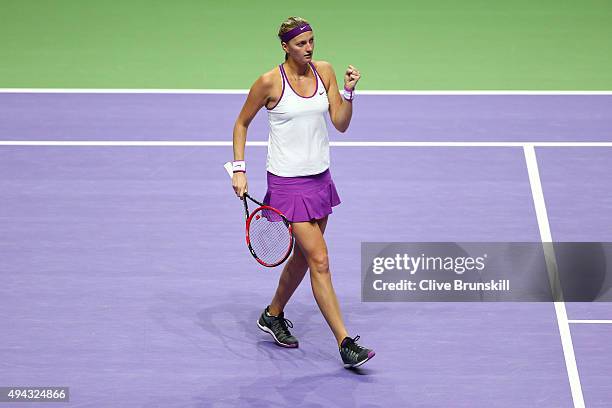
340,110
257,98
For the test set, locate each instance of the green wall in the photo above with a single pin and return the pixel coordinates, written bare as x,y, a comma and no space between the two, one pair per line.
450,45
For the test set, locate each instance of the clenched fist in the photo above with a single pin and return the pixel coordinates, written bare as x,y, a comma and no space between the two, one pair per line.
351,77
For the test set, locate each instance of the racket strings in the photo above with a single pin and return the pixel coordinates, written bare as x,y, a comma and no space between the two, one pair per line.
270,238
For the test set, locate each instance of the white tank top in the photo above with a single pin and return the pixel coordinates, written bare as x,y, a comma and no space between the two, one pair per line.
298,144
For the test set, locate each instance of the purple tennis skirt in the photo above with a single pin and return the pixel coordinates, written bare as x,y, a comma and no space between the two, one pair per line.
303,198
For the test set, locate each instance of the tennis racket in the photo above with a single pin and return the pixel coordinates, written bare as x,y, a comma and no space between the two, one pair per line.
269,235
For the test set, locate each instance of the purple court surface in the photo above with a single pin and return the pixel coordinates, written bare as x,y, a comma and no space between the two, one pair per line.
125,275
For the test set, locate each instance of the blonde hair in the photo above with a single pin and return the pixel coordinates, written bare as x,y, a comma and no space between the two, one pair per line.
289,24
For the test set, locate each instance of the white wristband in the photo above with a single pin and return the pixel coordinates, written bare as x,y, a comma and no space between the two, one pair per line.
239,166
348,94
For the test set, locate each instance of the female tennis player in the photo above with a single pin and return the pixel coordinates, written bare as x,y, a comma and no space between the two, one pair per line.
297,94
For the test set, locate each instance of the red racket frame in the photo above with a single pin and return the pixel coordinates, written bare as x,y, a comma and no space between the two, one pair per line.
249,217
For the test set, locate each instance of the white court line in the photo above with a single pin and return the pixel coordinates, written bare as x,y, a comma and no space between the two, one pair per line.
245,91
546,237
590,321
225,143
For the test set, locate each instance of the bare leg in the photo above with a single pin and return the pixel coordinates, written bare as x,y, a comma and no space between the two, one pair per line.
309,236
290,278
